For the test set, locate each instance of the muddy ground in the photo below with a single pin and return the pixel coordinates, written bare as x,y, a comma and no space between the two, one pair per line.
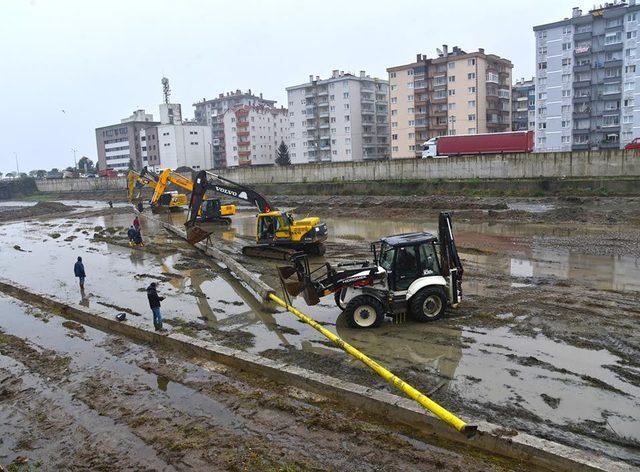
546,339
74,398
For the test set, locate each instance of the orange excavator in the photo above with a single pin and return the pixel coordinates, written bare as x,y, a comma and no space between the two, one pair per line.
211,211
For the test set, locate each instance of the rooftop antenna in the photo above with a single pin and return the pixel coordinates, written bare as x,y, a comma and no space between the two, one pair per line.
166,91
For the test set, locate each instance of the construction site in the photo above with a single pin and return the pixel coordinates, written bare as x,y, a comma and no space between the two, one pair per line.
476,333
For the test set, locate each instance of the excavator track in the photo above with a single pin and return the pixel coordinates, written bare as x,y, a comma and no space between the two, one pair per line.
269,252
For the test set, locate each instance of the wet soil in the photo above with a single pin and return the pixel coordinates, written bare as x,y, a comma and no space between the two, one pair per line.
39,209
545,340
99,402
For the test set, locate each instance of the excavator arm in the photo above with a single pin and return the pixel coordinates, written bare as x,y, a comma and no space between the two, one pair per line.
202,184
135,180
164,178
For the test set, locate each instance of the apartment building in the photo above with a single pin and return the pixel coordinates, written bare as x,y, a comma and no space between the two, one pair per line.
587,86
175,142
523,105
342,118
253,133
454,93
121,143
211,113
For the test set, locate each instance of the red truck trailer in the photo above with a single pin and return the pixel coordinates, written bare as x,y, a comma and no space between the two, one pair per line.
489,143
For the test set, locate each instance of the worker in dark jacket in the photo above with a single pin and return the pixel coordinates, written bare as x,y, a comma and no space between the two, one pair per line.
154,303
78,270
136,223
131,234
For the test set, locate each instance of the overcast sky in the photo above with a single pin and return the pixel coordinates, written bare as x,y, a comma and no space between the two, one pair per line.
70,66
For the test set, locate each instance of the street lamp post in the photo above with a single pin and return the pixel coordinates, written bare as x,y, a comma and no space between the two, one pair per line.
75,163
17,165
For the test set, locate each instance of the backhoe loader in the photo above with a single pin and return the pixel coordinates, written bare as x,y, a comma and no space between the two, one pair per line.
147,178
211,211
278,234
418,274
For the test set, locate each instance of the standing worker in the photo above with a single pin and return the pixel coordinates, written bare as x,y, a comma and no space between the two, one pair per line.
131,234
136,223
154,303
110,204
78,270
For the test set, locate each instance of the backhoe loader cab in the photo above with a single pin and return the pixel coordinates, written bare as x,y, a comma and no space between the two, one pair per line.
417,274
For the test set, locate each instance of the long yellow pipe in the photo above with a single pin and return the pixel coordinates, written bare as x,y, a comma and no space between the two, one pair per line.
397,382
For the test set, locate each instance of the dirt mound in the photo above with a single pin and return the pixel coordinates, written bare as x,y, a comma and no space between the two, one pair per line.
39,209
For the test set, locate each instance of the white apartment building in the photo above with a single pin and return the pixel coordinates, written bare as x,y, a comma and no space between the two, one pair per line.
176,143
588,80
252,134
342,118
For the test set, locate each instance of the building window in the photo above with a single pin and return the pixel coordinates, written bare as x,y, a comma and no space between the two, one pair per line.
409,71
471,75
566,46
451,65
471,90
451,106
452,78
393,87
412,122
542,126
392,75
394,148
542,95
566,139
452,92
394,112
565,62
630,69
410,110
566,30
394,100
409,98
566,93
394,124
347,129
471,131
631,16
542,65
472,117
411,135
565,124
566,108
471,103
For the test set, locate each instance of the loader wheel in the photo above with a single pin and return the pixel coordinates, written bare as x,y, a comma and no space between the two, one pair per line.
428,304
336,297
364,311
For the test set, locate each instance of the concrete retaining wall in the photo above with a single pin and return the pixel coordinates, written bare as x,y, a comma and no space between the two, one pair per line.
81,185
495,166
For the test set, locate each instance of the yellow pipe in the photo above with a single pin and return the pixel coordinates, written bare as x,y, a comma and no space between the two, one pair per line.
397,382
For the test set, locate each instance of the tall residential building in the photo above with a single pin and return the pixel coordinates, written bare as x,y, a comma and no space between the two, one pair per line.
342,118
175,142
587,83
523,105
210,112
253,133
454,93
120,143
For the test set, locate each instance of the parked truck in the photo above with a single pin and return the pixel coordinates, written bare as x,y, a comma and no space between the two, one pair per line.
490,143
108,172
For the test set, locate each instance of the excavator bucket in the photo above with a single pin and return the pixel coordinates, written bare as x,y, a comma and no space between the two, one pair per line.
195,234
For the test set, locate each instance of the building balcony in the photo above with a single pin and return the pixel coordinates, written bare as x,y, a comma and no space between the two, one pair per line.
367,111
324,125
244,153
616,62
581,114
243,143
322,92
613,80
582,51
581,99
311,125
323,114
243,132
581,131
609,145
613,46
323,103
582,36
309,93
582,83
580,147
582,68
241,124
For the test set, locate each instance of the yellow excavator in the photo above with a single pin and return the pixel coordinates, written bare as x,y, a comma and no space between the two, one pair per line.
211,211
278,234
135,181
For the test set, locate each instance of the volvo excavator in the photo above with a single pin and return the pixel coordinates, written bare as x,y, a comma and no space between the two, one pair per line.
146,178
278,234
211,211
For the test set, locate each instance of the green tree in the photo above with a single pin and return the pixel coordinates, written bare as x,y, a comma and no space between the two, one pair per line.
85,165
41,174
130,164
97,167
282,155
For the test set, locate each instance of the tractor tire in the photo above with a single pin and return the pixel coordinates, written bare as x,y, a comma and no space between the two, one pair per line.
364,311
336,297
428,304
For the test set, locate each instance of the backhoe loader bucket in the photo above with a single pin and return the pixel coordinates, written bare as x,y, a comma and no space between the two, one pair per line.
295,280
